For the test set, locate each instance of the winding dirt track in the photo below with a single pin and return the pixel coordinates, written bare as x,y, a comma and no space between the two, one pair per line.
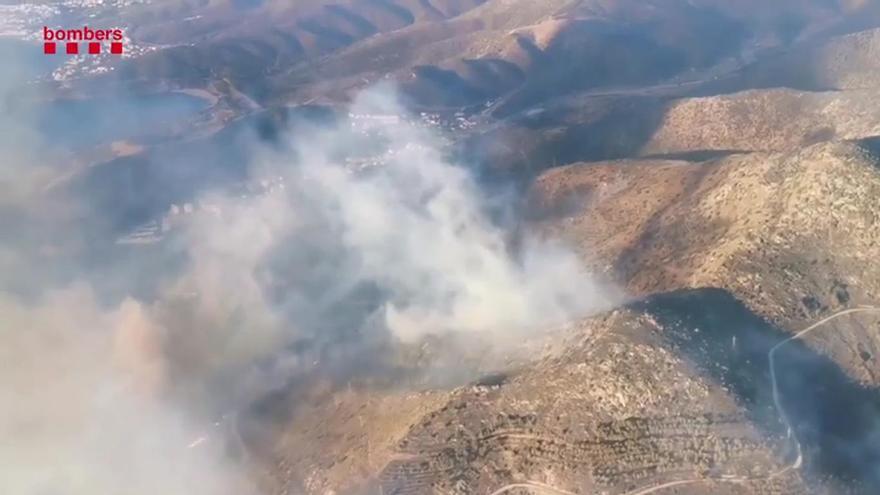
795,464
534,485
771,356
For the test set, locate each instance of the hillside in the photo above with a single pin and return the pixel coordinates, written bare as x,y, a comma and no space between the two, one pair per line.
445,247
817,89
790,234
724,259
589,416
453,52
839,62
765,120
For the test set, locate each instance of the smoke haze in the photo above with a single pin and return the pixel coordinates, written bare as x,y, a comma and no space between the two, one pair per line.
356,239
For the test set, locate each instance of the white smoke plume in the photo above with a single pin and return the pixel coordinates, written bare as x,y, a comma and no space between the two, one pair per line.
358,239
416,226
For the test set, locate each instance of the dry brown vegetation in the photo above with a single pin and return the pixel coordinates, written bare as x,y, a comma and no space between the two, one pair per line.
453,52
790,234
778,228
765,120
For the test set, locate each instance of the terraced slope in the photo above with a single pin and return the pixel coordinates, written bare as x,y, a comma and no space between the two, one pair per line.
613,409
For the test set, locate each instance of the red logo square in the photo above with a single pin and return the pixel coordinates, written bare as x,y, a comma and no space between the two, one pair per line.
94,48
49,47
72,48
116,48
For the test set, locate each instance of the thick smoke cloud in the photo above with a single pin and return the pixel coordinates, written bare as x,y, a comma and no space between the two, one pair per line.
80,414
352,241
416,227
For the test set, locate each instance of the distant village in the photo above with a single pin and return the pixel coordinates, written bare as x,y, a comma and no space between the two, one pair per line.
155,230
